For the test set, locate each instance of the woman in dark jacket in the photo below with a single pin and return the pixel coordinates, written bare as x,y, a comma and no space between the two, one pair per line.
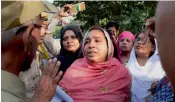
71,39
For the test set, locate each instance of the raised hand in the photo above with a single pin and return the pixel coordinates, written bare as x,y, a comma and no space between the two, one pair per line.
65,11
150,26
47,85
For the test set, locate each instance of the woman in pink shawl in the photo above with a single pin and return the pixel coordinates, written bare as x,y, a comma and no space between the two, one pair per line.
124,46
98,77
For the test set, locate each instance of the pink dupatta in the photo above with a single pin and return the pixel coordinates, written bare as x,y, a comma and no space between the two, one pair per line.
109,81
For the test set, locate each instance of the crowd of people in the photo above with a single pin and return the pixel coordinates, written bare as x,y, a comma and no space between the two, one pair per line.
101,65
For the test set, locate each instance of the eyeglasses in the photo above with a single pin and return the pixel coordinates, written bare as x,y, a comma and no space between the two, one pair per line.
145,40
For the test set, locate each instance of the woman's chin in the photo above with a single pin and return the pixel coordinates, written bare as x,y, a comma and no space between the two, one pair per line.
92,59
71,49
95,60
125,50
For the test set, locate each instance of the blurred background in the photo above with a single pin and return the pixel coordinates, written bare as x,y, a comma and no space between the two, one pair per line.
129,14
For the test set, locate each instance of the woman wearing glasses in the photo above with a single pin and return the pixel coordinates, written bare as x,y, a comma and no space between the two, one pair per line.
145,67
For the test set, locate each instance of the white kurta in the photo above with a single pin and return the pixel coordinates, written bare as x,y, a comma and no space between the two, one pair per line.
144,76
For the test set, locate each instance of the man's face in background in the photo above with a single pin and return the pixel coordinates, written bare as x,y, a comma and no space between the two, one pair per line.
113,33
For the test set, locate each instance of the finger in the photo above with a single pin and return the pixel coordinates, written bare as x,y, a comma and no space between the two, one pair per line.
51,66
147,24
42,69
150,21
46,70
58,77
146,36
68,5
55,69
68,14
49,62
42,78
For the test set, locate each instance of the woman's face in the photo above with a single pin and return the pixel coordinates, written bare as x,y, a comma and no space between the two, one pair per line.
95,47
143,47
70,41
125,44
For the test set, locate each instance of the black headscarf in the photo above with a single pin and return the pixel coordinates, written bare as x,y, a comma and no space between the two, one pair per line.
68,57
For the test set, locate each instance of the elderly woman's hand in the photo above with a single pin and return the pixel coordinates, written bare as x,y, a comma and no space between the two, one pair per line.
47,85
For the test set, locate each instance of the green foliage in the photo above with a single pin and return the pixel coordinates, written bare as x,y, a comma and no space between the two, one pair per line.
130,14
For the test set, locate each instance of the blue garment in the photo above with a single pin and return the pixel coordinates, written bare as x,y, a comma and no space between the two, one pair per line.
164,91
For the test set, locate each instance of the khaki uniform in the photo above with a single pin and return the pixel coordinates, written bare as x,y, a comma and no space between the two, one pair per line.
31,78
14,14
13,89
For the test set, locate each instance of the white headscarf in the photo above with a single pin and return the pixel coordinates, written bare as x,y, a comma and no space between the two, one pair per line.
144,76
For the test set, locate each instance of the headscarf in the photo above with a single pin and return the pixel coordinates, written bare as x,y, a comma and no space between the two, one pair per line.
100,82
124,34
109,42
144,76
67,57
78,34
